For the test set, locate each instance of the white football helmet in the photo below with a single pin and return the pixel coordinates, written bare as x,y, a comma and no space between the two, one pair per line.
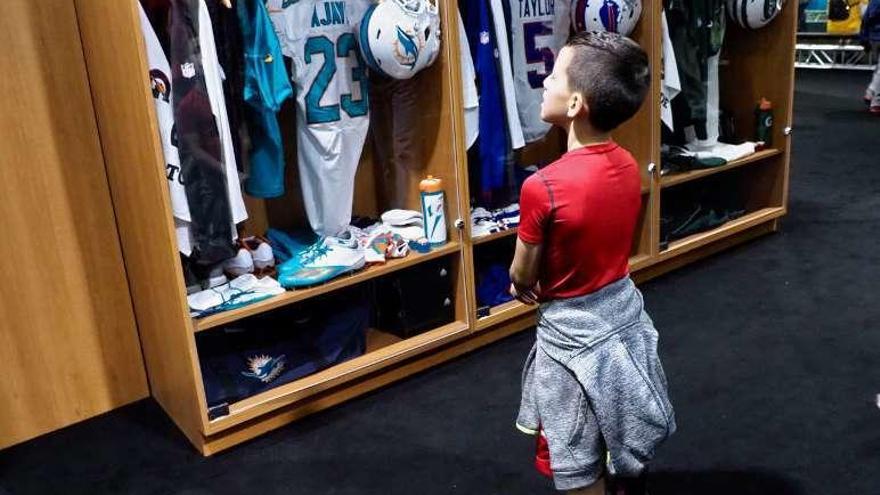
615,16
398,38
753,14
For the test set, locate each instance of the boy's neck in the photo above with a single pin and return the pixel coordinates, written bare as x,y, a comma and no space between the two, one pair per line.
581,133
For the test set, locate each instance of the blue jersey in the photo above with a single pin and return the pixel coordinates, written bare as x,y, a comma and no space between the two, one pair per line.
493,140
266,87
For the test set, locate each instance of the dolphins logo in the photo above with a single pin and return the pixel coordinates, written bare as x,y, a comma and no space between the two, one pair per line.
265,368
410,49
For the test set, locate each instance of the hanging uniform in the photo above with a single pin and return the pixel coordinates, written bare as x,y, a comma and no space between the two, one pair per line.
499,23
332,102
538,30
492,140
469,87
266,87
670,85
214,80
161,82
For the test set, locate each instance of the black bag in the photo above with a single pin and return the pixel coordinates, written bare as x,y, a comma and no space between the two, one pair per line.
415,300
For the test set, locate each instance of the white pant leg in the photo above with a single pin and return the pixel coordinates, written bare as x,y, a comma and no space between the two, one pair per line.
875,80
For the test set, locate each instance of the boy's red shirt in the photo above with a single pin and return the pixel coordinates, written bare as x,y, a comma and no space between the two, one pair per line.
583,208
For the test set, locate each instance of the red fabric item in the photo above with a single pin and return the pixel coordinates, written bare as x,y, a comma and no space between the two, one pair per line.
542,456
583,208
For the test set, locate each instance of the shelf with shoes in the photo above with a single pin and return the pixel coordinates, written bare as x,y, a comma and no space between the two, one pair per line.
743,223
671,180
494,236
346,280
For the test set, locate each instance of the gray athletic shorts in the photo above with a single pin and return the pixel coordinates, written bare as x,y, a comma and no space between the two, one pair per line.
577,451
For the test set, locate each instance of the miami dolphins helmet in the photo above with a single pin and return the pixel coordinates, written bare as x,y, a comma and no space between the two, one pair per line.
398,38
615,16
753,14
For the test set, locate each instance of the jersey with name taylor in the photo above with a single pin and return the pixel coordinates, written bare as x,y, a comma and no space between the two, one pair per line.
330,80
538,30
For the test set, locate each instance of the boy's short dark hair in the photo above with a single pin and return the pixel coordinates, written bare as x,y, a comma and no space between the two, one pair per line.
612,73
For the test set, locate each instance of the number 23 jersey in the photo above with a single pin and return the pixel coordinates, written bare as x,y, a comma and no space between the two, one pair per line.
332,102
538,30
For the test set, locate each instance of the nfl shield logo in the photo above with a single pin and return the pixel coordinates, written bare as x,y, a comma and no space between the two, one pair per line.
188,70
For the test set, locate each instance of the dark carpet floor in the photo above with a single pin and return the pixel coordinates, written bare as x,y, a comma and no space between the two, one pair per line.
771,350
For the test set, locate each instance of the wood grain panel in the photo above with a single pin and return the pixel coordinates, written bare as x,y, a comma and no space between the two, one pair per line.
117,69
640,135
68,341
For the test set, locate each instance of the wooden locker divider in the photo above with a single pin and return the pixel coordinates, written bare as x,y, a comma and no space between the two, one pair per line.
117,72
68,334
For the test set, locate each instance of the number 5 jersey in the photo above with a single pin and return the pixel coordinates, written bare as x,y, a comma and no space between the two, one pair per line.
332,102
538,30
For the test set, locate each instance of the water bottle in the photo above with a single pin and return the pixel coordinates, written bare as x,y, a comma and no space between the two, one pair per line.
764,123
432,210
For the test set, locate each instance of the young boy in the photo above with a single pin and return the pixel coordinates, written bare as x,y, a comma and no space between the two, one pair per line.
593,386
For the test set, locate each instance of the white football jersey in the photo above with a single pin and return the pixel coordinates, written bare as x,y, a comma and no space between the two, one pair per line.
538,30
670,85
469,88
214,82
332,102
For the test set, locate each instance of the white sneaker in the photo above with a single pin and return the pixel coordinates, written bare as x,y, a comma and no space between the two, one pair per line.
216,276
485,227
480,213
242,291
239,264
260,251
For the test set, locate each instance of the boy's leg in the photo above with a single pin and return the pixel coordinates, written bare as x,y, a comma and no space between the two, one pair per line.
577,450
597,488
874,87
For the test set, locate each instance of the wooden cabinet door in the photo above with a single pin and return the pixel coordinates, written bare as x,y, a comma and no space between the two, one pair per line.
68,341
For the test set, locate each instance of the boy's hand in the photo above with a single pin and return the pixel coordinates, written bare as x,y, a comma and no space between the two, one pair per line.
528,296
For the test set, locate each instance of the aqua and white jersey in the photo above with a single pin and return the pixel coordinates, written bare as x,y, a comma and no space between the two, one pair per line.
332,118
538,30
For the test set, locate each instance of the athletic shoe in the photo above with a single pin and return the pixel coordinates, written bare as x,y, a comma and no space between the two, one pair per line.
480,213
875,105
506,212
261,253
485,227
324,260
254,256
285,246
869,95
216,277
240,264
244,290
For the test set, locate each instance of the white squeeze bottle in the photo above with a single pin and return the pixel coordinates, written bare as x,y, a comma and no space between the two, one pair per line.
432,210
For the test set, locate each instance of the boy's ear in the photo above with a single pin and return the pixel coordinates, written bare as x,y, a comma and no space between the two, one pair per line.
577,105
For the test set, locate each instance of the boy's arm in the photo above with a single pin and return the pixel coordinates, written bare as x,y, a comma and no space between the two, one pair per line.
524,271
534,208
